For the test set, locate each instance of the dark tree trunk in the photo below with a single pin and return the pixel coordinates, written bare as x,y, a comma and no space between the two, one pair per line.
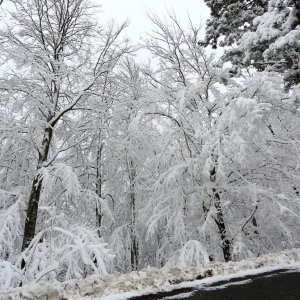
31,213
98,219
34,198
222,227
99,214
219,219
254,223
134,244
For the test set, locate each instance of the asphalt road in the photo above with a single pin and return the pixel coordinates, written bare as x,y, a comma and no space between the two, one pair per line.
275,285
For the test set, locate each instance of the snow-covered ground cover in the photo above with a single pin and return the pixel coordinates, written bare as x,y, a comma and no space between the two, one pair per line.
120,286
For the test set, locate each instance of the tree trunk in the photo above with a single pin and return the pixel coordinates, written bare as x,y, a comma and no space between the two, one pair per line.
225,242
134,244
34,198
219,219
99,189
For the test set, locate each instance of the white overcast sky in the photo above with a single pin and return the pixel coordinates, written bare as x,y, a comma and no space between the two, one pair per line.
135,11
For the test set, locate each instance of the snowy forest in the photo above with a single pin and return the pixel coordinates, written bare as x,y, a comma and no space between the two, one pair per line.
109,164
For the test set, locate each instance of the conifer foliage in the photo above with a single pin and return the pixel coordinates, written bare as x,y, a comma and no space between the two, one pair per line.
264,34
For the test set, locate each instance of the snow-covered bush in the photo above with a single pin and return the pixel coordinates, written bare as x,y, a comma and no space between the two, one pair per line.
65,245
63,254
11,207
10,275
192,254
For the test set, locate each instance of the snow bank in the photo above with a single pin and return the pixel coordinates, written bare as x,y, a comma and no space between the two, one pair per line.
147,280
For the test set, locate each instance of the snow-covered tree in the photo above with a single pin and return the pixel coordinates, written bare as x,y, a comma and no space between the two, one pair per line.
213,133
130,149
230,19
263,34
188,85
51,73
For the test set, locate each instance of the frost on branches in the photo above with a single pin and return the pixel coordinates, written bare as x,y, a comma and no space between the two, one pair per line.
108,164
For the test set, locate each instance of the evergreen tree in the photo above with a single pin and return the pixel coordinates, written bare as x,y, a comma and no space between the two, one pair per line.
263,34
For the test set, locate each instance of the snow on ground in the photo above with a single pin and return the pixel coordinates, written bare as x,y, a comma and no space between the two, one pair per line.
204,284
119,286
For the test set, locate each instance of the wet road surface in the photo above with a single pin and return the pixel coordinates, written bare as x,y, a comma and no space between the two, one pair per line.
276,285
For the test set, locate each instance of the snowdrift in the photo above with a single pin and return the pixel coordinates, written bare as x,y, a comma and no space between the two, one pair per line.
147,280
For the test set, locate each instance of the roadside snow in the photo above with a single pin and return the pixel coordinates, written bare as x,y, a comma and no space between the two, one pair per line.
182,295
204,284
119,286
223,286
